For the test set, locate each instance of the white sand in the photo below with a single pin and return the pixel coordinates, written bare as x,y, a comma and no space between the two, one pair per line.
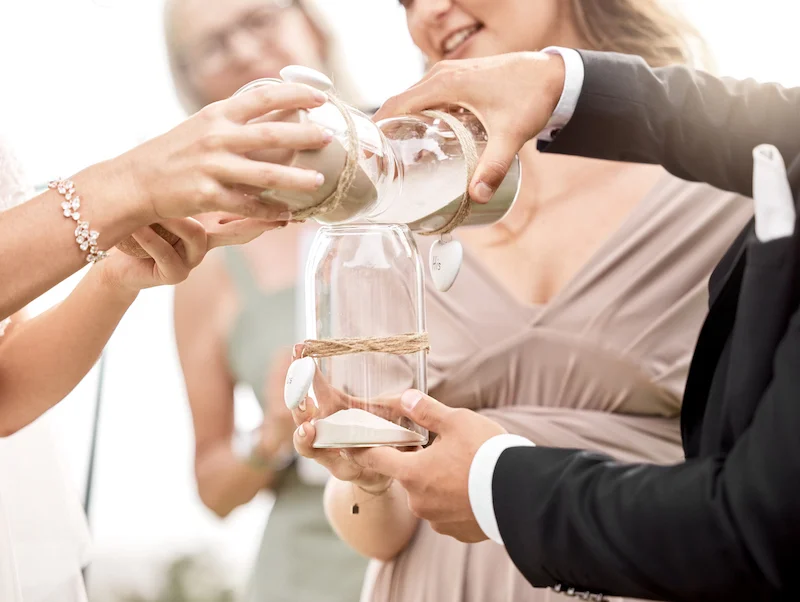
356,428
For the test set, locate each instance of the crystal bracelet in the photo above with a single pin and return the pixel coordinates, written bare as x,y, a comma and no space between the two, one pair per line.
85,238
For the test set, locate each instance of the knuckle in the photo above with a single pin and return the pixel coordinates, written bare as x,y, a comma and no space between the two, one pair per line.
210,113
269,136
212,140
194,262
269,178
205,192
495,170
195,232
181,274
265,96
423,415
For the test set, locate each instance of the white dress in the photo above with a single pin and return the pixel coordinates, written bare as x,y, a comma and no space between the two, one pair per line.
44,537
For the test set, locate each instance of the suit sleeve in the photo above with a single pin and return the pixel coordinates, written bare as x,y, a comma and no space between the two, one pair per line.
722,528
699,127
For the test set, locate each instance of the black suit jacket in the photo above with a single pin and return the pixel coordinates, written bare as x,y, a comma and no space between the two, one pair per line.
725,524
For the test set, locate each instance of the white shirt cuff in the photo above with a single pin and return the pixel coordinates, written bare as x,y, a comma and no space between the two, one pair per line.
772,194
481,473
573,84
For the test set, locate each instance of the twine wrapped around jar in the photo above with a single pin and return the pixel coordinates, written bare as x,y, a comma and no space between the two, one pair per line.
401,344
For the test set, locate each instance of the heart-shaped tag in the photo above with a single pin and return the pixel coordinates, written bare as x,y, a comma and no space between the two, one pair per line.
297,74
445,262
298,381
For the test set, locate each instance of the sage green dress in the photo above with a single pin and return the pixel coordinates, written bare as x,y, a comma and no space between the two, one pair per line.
301,559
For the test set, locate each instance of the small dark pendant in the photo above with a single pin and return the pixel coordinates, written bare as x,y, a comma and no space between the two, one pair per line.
355,509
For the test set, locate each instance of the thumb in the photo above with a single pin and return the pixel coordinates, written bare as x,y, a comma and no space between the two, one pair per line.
424,410
388,461
493,167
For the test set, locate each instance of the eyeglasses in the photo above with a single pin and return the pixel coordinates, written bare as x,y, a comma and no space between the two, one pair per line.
213,54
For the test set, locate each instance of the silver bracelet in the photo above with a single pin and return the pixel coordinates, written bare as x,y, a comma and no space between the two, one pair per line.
246,449
85,238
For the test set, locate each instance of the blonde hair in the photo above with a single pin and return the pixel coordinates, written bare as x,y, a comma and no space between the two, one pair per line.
647,28
333,56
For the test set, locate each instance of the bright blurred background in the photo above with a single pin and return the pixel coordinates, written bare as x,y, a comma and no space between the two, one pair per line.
83,80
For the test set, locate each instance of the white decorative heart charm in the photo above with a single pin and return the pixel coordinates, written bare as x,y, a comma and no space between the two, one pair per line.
298,381
297,74
445,262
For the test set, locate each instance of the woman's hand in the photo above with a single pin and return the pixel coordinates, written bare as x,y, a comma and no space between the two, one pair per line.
338,461
225,229
167,264
203,165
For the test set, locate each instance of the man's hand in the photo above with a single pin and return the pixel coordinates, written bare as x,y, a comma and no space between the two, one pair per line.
436,478
513,95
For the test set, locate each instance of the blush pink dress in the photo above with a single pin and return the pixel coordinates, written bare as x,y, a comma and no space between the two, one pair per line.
601,366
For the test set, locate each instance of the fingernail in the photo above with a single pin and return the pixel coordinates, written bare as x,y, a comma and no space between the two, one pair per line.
285,216
301,431
320,180
410,399
483,192
302,406
320,96
327,135
343,453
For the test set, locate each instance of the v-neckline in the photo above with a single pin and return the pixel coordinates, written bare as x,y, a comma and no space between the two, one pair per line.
536,310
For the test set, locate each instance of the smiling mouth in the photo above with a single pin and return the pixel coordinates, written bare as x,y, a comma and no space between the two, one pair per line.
457,39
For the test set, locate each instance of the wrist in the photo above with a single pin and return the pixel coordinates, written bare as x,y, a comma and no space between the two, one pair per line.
263,451
110,285
554,79
114,202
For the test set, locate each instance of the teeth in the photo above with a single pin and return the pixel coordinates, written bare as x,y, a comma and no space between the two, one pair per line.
458,38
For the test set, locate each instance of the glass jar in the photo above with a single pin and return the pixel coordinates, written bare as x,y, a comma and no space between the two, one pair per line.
411,169
365,281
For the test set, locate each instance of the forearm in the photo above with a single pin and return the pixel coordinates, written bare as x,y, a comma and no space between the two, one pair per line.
717,528
653,532
225,481
39,248
383,526
695,125
43,359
